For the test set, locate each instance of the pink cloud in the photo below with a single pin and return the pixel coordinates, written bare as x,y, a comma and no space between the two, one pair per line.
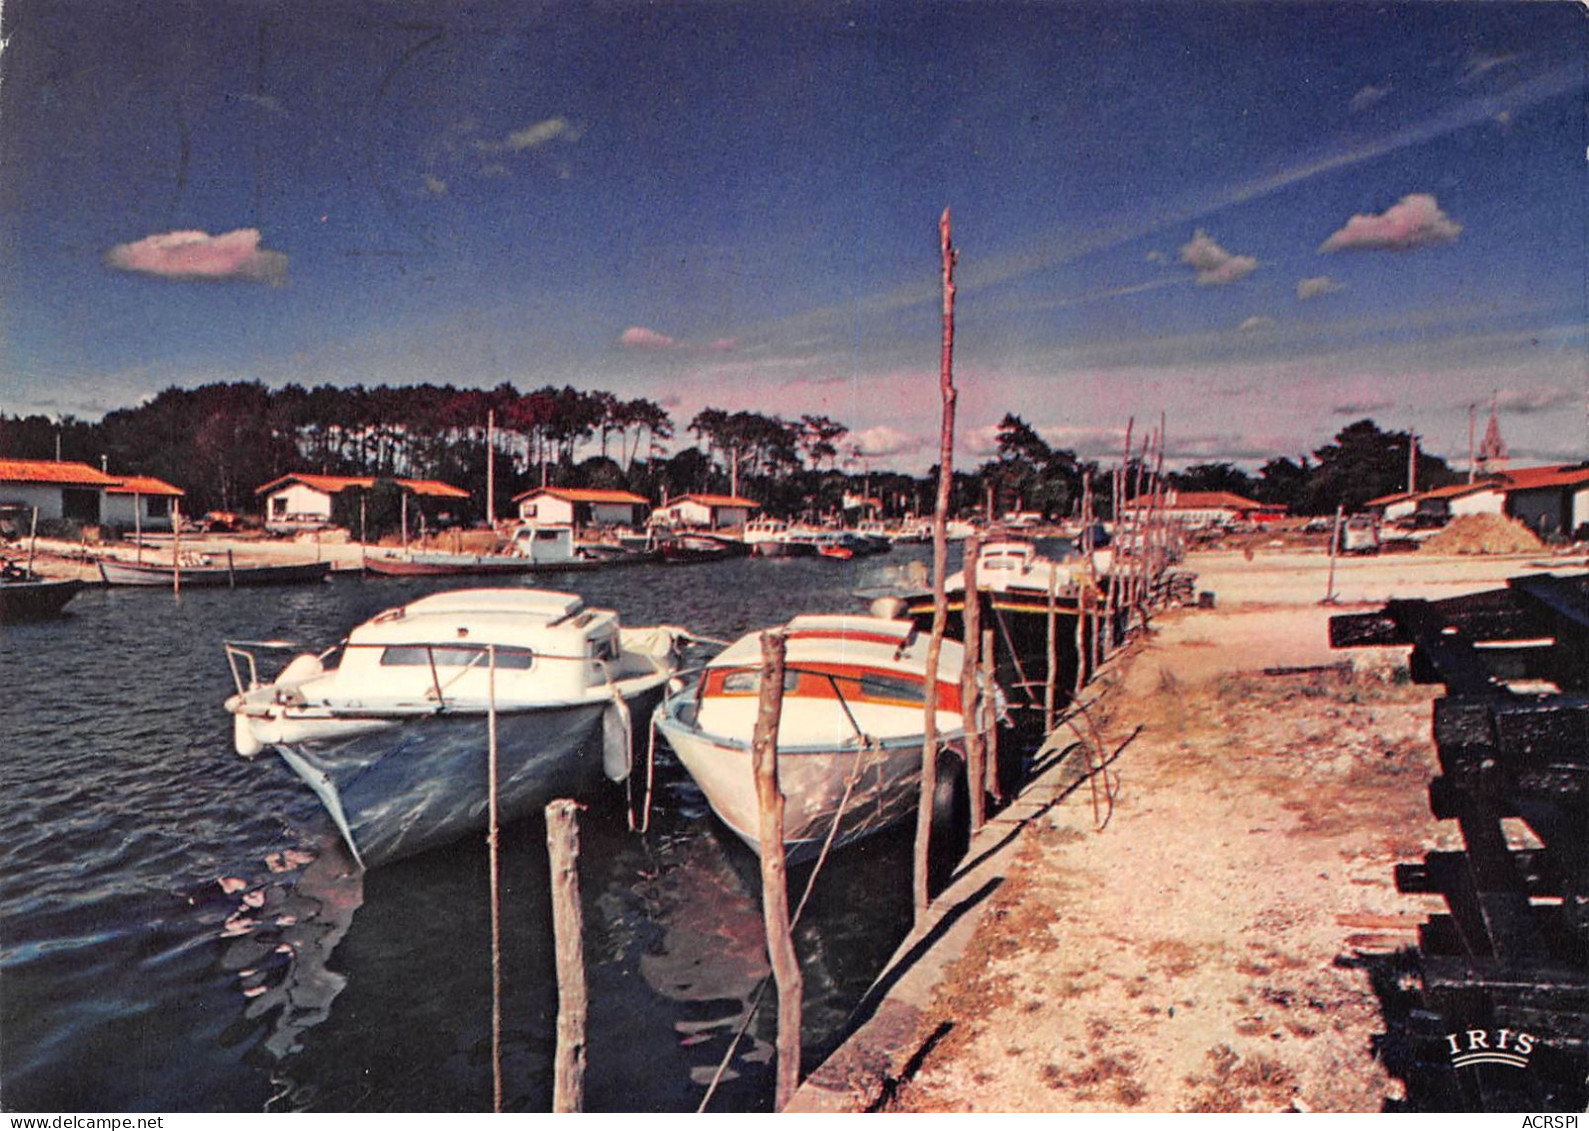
1414,221
1213,264
724,345
641,338
199,256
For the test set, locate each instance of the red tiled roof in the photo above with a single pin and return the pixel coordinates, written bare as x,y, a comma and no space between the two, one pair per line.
1557,475
53,471
333,484
715,501
582,495
144,485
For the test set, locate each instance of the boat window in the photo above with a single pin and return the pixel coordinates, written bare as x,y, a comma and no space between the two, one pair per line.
453,656
604,649
749,682
891,688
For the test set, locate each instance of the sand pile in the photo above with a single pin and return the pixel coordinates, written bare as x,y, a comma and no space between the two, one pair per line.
1484,534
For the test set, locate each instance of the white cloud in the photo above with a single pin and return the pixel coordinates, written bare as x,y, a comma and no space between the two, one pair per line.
643,338
1213,264
1316,286
884,440
1255,323
1413,222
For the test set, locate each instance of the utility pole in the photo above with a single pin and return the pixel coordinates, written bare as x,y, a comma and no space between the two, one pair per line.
1412,462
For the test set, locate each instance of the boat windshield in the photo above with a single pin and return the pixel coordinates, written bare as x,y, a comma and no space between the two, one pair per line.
453,656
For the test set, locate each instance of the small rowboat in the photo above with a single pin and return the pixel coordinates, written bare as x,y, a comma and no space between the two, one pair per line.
132,573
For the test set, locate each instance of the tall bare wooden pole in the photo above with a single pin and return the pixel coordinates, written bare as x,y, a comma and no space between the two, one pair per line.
970,686
568,929
940,558
493,826
491,468
774,871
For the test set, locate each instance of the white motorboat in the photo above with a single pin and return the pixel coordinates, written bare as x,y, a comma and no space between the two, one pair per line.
850,736
390,728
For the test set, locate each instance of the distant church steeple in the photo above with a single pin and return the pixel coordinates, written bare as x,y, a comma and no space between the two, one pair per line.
1492,451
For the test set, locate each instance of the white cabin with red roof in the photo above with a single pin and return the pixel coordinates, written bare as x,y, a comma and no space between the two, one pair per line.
580,507
303,502
711,512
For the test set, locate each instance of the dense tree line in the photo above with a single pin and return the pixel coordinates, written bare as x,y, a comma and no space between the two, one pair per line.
220,442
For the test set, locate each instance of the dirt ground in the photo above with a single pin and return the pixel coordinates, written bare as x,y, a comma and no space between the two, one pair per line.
1203,949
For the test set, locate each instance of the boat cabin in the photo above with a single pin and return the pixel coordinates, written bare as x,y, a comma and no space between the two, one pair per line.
544,543
853,675
547,646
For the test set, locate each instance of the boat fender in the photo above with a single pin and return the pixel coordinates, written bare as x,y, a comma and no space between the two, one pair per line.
302,669
889,608
243,736
616,740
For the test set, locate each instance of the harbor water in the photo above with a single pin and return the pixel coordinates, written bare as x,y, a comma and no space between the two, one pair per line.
180,929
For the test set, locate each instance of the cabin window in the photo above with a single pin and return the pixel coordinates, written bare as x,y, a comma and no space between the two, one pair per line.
749,682
604,649
546,535
891,689
453,656
157,506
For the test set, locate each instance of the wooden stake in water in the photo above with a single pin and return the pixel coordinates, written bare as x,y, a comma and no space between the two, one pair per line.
1053,645
990,719
568,929
176,547
774,872
970,684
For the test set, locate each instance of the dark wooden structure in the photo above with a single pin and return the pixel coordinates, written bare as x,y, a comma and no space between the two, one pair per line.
1511,954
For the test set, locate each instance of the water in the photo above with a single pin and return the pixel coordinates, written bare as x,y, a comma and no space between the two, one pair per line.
178,931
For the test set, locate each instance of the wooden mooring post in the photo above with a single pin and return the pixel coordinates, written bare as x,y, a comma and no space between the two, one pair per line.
774,871
971,686
940,554
568,929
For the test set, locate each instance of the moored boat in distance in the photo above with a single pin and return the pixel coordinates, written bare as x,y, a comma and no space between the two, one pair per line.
850,737
1013,582
25,596
390,728
206,573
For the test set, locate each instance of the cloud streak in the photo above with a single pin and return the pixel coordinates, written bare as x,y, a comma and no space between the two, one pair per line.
189,256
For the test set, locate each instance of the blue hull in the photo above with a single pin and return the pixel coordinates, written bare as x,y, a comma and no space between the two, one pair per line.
422,783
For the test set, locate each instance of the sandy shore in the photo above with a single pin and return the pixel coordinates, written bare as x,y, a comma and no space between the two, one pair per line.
1194,936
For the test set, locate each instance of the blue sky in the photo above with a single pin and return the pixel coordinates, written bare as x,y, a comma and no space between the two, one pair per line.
1264,220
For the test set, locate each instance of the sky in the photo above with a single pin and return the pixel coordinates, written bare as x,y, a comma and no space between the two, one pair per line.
1261,221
